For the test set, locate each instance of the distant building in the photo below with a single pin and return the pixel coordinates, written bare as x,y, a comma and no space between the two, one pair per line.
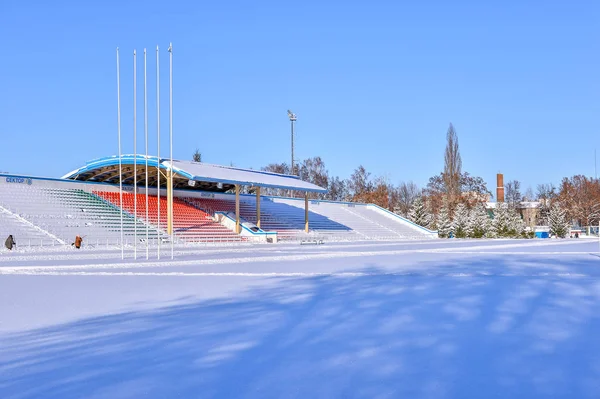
528,210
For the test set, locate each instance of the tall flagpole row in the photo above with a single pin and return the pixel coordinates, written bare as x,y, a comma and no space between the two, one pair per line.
146,140
134,155
120,162
158,149
169,171
171,139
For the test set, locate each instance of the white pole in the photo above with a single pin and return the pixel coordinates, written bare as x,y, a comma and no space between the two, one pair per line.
120,166
158,141
134,155
146,138
171,139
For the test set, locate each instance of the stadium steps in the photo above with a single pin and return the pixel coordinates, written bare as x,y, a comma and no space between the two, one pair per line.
361,222
68,212
189,223
268,220
286,220
24,232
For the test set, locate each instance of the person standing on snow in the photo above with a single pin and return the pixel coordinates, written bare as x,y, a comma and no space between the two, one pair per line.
78,241
10,242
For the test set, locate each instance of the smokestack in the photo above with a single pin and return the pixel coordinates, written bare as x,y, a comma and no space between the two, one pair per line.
500,187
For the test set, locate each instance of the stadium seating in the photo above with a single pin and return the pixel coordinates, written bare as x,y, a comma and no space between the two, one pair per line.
285,225
39,213
331,220
49,214
366,222
24,233
190,223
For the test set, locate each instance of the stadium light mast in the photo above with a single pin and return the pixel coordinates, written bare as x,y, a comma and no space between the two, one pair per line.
292,117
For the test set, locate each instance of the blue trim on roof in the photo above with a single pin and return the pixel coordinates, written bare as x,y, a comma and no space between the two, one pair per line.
64,180
113,161
129,159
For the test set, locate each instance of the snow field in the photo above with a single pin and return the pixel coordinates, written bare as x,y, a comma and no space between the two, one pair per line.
435,319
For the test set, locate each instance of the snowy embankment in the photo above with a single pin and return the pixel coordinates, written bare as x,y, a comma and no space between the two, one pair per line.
465,319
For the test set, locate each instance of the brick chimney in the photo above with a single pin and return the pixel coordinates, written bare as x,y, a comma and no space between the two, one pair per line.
500,187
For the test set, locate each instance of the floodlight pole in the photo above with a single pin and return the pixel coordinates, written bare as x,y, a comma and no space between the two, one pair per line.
134,155
120,163
158,149
146,140
292,117
171,141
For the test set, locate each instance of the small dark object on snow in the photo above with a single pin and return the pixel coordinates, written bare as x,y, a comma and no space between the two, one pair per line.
10,242
576,234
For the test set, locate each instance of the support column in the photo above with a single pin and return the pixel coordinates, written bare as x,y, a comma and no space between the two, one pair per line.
238,229
306,212
258,207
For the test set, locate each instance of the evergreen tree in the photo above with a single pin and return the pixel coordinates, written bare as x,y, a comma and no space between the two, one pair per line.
557,219
502,220
452,165
419,213
517,224
491,231
507,222
197,157
460,224
444,224
479,221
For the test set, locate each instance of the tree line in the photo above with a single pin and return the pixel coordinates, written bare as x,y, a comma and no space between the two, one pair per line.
453,201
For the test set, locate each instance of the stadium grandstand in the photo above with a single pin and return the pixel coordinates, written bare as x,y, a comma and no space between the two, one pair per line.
208,206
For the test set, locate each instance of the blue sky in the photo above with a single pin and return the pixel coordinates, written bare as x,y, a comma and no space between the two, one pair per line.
373,83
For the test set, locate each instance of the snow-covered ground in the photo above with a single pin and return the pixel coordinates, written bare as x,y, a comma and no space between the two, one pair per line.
428,319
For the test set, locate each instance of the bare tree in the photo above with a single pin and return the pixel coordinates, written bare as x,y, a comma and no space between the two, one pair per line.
545,194
281,168
360,184
313,170
406,194
512,194
529,194
452,164
545,191
378,193
337,189
579,196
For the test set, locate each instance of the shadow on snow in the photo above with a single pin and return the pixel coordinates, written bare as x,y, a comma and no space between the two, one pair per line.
370,336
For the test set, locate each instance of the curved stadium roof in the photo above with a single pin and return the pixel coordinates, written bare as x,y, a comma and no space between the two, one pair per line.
206,177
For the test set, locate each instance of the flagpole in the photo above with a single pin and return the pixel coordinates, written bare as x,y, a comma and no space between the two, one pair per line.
171,139
135,155
120,164
146,139
158,141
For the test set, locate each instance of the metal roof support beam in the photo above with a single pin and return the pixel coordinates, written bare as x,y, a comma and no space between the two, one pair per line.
306,212
258,207
237,209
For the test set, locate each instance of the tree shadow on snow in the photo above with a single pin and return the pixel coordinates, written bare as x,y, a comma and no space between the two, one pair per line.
431,334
